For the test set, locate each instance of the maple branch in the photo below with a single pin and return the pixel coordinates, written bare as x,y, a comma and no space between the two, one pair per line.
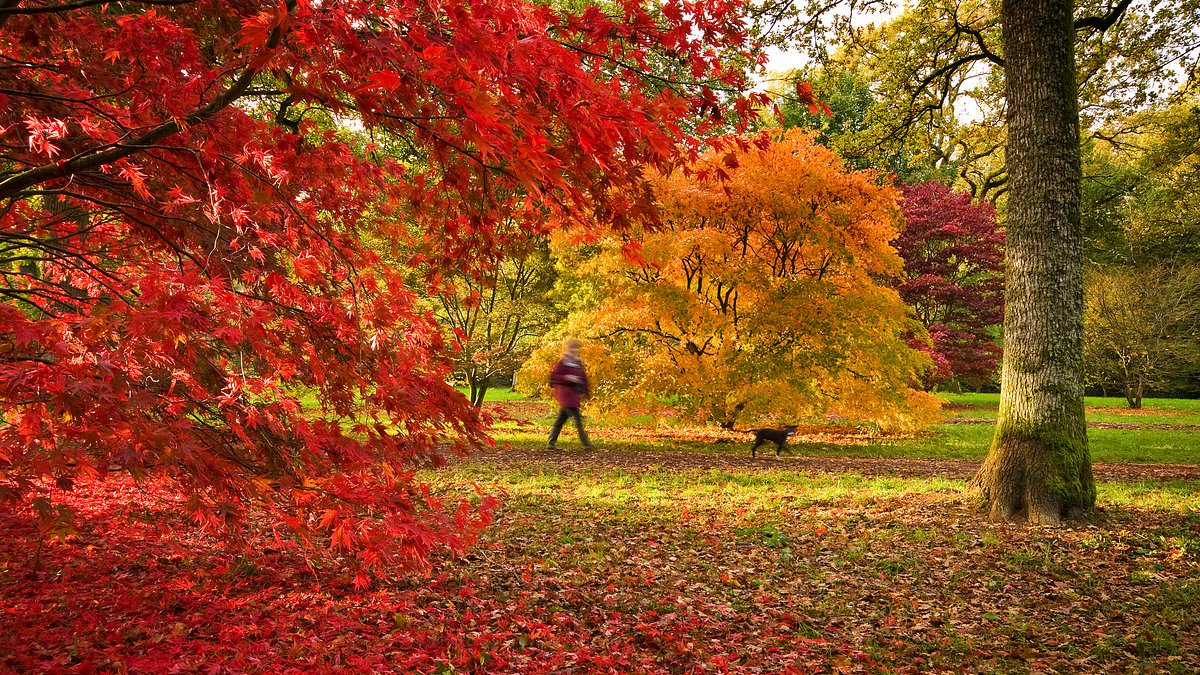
12,8
21,297
281,118
31,359
98,157
26,65
126,211
438,138
60,254
713,84
88,102
691,346
337,250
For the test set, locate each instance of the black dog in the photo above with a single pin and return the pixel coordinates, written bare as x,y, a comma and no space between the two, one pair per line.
777,436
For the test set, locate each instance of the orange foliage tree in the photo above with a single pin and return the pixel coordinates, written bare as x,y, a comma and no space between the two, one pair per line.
761,295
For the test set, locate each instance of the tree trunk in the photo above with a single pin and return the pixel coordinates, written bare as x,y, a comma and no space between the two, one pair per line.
1129,395
1038,468
731,418
478,388
481,392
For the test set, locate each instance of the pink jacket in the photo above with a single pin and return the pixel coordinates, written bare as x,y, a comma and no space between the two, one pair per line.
569,393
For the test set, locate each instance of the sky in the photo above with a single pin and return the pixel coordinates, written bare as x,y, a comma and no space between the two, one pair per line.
782,61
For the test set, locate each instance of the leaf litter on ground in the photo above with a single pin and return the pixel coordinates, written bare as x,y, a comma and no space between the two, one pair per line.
619,562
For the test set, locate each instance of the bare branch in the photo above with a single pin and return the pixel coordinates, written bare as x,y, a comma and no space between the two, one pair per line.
107,154
1103,23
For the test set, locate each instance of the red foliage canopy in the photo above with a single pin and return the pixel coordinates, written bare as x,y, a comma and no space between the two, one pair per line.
953,252
192,228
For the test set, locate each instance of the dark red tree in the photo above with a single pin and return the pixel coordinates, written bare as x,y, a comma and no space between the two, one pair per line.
196,197
953,252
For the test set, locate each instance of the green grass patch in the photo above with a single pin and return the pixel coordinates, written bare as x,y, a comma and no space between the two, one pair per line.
498,394
947,441
779,487
1103,409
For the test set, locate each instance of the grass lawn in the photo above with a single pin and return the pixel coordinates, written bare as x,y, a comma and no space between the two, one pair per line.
1100,409
1153,440
950,441
498,394
309,400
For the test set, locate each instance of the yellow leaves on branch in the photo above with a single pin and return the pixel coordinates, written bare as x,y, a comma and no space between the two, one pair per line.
762,297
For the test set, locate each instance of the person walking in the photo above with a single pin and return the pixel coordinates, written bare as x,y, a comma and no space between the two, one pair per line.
571,386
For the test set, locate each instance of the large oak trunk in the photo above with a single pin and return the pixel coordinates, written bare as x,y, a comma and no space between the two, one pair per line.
1038,468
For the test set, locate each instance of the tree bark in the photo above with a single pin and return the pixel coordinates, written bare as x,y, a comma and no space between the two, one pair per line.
1038,468
479,387
1133,393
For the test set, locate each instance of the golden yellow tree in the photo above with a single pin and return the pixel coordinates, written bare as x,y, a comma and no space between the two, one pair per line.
760,296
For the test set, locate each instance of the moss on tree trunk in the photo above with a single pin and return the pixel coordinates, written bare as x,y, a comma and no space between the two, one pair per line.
1038,468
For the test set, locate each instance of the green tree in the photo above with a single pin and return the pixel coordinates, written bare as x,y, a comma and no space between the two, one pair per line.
1164,221
1142,193
939,68
1111,177
849,99
1142,327
497,317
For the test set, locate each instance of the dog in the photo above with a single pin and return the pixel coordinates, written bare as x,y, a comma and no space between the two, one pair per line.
777,436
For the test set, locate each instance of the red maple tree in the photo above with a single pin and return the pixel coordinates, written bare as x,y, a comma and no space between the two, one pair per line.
953,252
197,196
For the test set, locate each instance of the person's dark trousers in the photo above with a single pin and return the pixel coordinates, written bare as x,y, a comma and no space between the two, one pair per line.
563,414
